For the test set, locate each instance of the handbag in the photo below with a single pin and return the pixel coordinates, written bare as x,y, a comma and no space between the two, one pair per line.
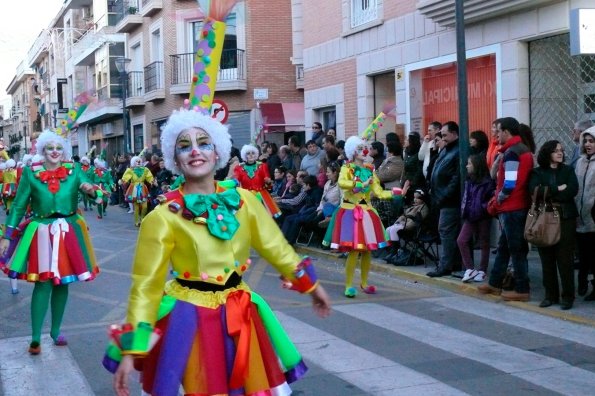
542,227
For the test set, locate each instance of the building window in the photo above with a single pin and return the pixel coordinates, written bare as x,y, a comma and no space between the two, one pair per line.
363,11
229,57
139,141
328,117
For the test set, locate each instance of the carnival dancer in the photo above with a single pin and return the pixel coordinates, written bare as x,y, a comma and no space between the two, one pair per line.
217,336
102,177
88,169
55,248
255,176
9,183
137,192
355,226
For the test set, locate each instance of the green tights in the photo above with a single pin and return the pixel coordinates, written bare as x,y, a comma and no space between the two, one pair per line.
42,294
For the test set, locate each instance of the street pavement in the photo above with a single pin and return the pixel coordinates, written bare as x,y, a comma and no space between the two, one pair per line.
417,336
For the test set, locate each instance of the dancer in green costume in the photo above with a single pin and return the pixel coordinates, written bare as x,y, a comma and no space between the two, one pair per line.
54,248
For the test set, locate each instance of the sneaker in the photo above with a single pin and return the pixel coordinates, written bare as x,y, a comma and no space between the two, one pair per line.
480,277
513,295
15,291
130,211
469,275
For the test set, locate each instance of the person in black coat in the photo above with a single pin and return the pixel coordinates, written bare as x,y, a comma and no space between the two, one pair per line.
562,187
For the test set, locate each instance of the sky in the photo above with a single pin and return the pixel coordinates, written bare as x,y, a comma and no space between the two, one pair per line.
21,21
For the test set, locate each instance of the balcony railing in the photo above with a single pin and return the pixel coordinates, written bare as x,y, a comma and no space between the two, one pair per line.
232,67
103,93
123,8
127,7
135,84
154,76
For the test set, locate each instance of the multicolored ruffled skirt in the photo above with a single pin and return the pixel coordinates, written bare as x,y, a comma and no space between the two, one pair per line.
137,193
355,227
269,203
216,343
53,249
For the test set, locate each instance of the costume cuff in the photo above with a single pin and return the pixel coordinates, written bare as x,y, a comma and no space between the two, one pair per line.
11,233
133,341
303,279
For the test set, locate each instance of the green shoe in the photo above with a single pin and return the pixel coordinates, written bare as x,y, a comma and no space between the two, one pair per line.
350,292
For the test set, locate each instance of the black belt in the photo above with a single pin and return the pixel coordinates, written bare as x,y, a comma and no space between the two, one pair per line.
60,215
362,202
233,281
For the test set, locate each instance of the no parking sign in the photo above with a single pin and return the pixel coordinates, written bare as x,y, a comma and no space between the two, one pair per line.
219,111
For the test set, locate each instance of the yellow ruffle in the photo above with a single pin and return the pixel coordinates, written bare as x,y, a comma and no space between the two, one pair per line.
202,299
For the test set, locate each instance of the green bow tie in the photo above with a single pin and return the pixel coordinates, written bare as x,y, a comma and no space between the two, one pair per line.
220,208
363,174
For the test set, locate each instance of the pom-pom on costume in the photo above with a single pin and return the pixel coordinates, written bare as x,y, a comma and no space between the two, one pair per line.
355,227
54,248
255,176
137,192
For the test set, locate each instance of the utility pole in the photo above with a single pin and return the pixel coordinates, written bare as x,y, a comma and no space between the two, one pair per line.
462,92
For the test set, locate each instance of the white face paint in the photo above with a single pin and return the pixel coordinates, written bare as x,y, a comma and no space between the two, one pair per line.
195,154
53,153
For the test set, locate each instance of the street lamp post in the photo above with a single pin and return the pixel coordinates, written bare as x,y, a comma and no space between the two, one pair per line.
54,109
122,64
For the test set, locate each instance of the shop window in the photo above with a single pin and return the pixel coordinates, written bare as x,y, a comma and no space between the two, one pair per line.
434,95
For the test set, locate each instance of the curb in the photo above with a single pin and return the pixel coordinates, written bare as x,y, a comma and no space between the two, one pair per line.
450,284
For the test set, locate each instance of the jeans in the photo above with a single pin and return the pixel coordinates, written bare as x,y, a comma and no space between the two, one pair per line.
291,224
449,225
512,247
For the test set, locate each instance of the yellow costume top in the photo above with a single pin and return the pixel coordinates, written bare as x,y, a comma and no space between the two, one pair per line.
9,176
351,179
205,238
138,174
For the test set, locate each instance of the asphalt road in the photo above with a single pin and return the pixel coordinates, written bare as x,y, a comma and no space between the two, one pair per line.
412,338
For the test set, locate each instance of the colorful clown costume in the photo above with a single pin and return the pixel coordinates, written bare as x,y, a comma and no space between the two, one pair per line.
55,245
137,192
252,177
356,225
206,329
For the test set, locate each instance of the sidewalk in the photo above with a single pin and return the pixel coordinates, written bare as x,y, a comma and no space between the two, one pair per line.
582,312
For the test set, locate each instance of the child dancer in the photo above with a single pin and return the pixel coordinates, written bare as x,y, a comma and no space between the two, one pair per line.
255,176
103,178
9,184
355,227
137,192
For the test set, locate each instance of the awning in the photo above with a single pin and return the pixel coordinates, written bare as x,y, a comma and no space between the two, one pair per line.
283,117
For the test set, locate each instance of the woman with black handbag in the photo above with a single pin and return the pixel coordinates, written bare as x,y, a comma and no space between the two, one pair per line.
561,184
